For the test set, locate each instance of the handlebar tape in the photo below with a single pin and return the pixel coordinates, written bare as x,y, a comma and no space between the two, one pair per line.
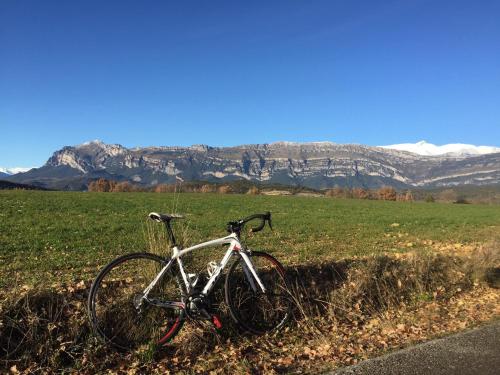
264,217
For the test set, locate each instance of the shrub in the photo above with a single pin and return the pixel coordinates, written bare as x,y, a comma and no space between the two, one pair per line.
253,191
164,188
101,185
461,200
448,195
123,187
224,189
336,192
92,186
208,188
387,193
405,197
360,193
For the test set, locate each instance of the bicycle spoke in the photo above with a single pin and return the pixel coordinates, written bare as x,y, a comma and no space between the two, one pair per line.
119,312
256,311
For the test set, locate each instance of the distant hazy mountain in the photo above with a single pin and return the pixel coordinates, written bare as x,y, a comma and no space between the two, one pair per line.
453,149
11,171
314,164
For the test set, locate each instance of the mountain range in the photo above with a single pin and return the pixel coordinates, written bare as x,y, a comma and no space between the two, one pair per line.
313,164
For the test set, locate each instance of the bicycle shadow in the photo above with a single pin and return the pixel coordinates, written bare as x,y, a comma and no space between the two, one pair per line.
309,286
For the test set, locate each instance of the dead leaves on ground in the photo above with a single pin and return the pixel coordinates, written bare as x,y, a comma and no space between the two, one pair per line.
304,350
310,345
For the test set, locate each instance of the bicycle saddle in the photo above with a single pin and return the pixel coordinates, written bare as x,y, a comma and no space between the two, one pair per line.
162,218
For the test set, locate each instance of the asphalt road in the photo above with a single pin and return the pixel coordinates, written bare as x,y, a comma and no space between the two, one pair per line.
471,352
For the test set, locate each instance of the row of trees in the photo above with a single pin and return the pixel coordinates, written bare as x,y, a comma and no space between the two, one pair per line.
206,188
385,193
104,185
390,194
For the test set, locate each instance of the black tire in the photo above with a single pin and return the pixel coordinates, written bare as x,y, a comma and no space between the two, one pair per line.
113,315
257,312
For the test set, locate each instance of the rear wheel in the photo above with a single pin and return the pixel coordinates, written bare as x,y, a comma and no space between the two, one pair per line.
120,315
253,310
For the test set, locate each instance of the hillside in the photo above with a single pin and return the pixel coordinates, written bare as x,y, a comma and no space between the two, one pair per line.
7,185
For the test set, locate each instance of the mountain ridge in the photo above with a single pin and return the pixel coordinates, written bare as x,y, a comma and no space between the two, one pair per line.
311,164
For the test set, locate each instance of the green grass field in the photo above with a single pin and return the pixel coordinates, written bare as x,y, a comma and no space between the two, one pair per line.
47,236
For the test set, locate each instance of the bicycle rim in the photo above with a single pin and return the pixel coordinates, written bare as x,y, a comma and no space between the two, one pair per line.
253,310
113,303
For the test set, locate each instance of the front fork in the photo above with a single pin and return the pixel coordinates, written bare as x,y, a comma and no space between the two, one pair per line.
251,274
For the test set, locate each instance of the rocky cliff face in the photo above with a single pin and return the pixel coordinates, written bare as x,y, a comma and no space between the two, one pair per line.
318,165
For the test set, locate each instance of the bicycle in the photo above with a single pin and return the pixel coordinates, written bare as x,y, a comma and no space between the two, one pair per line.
142,299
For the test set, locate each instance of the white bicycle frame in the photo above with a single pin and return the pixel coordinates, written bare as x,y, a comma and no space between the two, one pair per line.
235,247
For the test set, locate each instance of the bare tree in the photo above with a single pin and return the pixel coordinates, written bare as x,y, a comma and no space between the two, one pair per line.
207,188
387,193
360,193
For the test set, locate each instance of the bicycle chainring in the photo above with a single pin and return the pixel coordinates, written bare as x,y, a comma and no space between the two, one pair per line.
198,306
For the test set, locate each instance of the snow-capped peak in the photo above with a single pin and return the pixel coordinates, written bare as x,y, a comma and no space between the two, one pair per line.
14,170
452,149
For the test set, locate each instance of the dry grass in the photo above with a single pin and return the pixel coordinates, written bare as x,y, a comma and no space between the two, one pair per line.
485,264
48,331
43,327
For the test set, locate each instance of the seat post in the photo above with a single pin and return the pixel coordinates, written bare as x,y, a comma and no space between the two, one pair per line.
170,233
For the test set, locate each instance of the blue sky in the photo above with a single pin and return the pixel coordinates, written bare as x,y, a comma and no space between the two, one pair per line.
144,73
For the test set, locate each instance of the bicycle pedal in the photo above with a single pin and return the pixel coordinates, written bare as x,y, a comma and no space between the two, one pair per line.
216,322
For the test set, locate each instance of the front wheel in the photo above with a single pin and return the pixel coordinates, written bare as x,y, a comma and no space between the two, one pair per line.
119,313
253,310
